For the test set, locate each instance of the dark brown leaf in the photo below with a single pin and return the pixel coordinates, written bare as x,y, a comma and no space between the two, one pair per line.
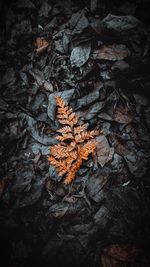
124,255
112,52
103,150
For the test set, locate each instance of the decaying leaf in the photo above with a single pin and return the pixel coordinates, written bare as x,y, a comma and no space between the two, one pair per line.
111,52
103,150
123,115
58,210
96,184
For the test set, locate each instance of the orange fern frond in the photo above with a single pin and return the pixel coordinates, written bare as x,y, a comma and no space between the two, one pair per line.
65,114
65,136
65,129
72,173
80,128
59,101
87,149
73,154
53,161
59,151
85,135
76,143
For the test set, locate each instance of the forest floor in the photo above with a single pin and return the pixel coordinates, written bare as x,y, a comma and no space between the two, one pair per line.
96,57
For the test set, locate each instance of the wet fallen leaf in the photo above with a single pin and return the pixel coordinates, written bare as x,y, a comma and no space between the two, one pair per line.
95,185
58,210
87,100
80,55
111,52
94,110
120,23
62,40
35,132
78,22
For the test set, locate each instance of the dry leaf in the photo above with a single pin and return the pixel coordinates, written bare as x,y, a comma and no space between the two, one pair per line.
76,143
41,44
112,52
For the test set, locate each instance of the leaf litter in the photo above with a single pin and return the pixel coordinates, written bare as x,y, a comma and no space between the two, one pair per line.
95,57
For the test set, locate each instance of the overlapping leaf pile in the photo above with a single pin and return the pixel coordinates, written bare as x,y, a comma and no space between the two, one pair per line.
96,56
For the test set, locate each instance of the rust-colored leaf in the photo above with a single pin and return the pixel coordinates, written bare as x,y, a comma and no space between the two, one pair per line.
76,143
